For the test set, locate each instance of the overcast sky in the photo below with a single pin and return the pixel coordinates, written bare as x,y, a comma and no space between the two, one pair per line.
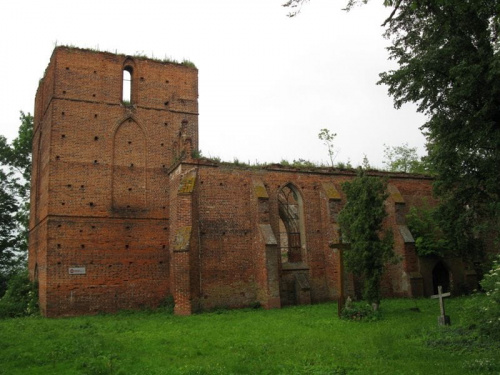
267,83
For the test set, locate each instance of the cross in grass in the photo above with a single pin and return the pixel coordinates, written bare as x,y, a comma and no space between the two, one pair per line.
443,319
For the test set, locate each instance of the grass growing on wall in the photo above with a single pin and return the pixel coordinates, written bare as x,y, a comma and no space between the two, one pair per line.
296,340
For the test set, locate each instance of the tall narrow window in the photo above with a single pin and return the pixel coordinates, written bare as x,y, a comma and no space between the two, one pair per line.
127,85
292,239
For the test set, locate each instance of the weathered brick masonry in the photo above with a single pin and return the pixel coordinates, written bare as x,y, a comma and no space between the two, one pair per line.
123,217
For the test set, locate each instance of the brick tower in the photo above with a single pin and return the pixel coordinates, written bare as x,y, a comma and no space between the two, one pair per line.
107,128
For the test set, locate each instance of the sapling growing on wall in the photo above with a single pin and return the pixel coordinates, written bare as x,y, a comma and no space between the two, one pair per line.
327,137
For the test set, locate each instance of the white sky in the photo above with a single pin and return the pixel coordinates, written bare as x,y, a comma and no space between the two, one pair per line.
267,83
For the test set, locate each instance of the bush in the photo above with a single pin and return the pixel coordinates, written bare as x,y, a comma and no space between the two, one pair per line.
483,311
359,311
21,297
167,304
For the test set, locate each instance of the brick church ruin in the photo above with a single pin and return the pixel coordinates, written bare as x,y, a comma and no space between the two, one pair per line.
123,215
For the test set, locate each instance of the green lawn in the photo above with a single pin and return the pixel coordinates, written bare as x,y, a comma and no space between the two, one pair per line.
297,340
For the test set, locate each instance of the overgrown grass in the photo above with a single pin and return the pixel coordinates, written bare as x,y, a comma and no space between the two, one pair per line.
297,340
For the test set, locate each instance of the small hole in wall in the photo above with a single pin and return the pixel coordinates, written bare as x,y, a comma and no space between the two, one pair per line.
91,204
81,230
223,233
163,246
96,138
62,203
82,186
165,123
128,206
126,246
58,245
95,116
57,157
167,81
58,263
93,95
163,165
129,189
221,184
127,227
64,91
161,144
109,265
62,113
129,142
160,262
67,68
82,246
166,103
131,165
142,78
63,135
201,182
68,185
164,228
95,161
164,207
59,225
95,71
93,226
318,231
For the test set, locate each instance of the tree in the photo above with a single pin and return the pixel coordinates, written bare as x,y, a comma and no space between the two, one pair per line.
15,170
327,138
361,224
424,227
404,159
448,59
447,52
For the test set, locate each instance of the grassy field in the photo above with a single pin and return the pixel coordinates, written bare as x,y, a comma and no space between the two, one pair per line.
296,340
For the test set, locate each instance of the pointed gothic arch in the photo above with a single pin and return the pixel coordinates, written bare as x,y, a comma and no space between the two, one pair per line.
129,167
292,237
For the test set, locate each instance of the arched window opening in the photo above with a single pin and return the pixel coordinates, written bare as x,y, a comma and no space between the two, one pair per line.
291,227
127,86
440,277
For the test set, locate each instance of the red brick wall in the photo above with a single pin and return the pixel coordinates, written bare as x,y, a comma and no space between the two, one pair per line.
109,196
100,183
230,247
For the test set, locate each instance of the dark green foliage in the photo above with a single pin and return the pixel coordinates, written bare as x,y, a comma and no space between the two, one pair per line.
424,226
361,224
483,310
447,52
360,312
448,63
21,297
15,170
167,305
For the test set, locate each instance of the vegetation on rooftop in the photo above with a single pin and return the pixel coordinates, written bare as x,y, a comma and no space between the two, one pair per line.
138,55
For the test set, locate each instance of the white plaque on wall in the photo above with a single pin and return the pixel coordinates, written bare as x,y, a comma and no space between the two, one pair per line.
77,271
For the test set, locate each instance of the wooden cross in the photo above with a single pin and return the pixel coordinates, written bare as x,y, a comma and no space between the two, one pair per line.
341,299
443,319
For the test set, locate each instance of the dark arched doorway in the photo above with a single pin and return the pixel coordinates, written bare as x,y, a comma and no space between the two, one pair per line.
440,276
